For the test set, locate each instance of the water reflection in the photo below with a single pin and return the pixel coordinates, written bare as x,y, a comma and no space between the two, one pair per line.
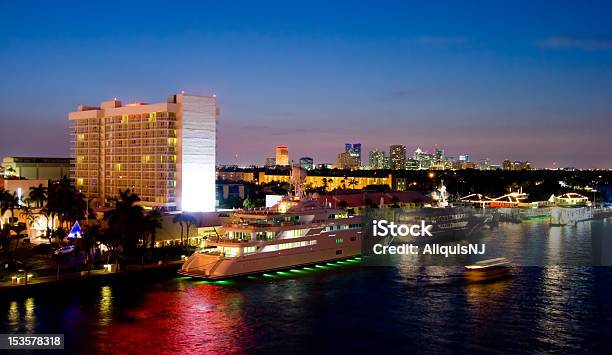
556,308
198,317
106,305
13,314
29,315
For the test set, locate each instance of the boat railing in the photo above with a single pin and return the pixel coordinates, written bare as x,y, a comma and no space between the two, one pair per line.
283,223
229,240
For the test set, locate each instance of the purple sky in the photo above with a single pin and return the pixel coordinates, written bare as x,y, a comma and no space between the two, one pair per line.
518,81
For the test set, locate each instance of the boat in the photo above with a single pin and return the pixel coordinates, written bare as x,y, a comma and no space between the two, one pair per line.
447,224
487,270
562,216
297,231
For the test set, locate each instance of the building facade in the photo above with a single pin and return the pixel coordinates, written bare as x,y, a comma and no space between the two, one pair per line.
164,152
347,161
354,151
36,167
282,155
397,157
270,163
306,163
377,160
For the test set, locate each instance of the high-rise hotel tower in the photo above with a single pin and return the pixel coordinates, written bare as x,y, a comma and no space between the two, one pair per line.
165,152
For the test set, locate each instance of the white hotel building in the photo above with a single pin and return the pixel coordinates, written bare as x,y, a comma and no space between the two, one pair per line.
165,152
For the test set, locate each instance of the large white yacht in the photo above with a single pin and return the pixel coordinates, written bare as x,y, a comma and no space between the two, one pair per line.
294,232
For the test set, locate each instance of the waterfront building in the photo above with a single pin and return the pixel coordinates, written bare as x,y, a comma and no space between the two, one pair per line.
164,152
354,150
306,163
282,155
36,167
397,157
377,159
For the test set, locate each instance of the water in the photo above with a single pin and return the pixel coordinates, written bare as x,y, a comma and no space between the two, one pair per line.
340,307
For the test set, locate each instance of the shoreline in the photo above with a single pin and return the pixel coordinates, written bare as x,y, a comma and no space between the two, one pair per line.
7,288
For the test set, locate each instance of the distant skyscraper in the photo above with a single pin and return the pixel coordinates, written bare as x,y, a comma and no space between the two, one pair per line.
425,159
270,163
347,161
354,150
439,155
464,158
397,157
377,159
282,155
164,152
306,163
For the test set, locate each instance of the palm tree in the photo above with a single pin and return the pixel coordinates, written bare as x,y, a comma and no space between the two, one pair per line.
91,235
64,202
11,202
353,183
3,205
186,221
189,221
178,218
153,221
126,219
326,183
38,194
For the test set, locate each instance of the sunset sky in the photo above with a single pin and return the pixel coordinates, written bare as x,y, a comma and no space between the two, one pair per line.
497,80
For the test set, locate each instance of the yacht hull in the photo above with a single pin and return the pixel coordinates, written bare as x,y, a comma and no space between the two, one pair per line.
211,267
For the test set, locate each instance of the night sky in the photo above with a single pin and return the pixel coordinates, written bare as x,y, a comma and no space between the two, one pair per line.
501,80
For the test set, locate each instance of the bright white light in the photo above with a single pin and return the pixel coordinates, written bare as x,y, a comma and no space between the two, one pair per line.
198,187
272,200
199,133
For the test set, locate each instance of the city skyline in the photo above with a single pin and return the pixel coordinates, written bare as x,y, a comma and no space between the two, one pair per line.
460,76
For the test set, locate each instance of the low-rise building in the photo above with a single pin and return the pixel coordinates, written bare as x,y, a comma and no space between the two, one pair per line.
36,167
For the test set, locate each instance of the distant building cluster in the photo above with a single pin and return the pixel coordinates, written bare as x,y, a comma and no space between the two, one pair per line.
397,158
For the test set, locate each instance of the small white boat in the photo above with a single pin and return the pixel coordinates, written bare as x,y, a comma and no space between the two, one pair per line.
486,270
